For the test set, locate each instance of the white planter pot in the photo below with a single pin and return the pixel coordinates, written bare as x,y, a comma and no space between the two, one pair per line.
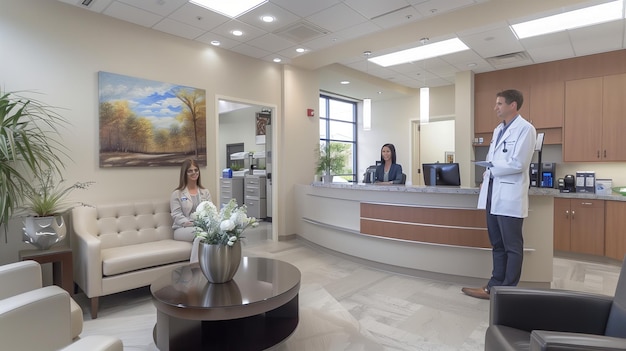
43,232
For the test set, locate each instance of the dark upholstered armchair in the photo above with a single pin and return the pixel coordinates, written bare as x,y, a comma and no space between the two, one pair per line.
534,319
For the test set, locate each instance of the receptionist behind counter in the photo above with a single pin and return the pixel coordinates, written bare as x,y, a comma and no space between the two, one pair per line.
388,172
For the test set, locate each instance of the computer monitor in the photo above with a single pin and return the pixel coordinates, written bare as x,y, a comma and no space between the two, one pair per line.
441,174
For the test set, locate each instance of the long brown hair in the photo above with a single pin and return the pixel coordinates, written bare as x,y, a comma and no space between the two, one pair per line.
182,184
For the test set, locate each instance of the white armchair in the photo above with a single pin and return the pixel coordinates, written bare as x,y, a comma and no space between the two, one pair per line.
36,318
21,277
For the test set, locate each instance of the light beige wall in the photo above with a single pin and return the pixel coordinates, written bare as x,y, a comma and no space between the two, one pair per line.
298,137
58,49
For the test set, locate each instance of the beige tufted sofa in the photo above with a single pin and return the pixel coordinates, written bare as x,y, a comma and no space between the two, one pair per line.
122,247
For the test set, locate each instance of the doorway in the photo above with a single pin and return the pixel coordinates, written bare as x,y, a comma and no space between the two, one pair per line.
237,133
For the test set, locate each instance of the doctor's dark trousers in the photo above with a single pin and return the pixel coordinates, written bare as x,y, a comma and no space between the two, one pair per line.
507,242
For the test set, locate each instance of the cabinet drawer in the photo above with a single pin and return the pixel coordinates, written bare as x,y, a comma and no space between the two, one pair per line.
252,181
584,203
253,191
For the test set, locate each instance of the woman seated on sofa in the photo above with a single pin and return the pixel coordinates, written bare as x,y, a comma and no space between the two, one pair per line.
183,202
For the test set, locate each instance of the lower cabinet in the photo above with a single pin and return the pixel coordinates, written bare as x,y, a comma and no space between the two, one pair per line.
615,240
579,226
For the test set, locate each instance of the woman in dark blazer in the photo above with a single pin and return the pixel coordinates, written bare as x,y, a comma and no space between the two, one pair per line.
388,172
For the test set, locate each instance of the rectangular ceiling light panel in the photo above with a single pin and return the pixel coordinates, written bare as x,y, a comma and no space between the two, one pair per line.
569,20
420,53
230,8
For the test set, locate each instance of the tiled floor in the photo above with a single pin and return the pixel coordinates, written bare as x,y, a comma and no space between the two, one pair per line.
349,306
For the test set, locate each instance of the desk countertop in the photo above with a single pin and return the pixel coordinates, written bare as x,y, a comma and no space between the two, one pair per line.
461,190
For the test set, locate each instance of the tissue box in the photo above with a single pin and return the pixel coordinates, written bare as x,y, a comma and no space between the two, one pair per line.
604,186
227,173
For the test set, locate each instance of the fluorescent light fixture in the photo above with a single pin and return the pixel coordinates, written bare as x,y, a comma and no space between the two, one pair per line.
424,105
420,53
367,114
230,8
569,20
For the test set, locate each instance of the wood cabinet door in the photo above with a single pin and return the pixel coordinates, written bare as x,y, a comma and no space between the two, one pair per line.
587,226
582,127
485,119
613,120
561,230
615,237
547,104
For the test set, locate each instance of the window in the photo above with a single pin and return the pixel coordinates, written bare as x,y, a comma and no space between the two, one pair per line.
338,123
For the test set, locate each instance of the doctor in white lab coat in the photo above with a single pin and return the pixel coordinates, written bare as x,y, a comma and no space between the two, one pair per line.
504,191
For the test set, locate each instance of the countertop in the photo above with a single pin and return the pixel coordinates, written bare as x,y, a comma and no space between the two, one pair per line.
462,190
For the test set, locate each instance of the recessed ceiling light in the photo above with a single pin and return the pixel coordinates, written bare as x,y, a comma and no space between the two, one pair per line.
237,33
229,8
344,82
267,19
420,53
300,50
472,64
277,60
215,42
570,20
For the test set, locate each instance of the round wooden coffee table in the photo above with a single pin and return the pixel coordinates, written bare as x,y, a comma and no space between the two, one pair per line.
254,311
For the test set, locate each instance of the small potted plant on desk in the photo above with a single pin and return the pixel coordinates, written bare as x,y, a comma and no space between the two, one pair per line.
332,159
45,203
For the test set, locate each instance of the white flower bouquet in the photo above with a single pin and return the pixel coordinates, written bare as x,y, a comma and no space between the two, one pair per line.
223,227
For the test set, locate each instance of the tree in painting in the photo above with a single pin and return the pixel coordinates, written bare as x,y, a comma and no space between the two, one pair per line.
148,123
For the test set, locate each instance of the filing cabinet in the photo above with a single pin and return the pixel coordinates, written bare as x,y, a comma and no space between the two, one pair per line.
256,196
231,188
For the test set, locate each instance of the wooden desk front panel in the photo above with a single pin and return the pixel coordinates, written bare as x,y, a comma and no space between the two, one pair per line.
445,226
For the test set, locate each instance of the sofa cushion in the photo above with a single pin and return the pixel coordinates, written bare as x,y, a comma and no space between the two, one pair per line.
130,258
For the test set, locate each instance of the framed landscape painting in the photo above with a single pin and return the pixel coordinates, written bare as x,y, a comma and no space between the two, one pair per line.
145,123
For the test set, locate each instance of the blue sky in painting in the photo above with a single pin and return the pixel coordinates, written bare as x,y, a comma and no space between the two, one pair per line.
147,98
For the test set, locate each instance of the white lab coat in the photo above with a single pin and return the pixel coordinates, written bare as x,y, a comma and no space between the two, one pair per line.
510,169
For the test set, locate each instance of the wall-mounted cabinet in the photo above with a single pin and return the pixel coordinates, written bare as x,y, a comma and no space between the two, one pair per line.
547,103
543,101
594,123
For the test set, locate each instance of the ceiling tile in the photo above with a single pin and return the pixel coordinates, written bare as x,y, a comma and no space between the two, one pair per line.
336,18
600,38
493,42
550,47
161,8
132,14
249,32
282,17
198,17
270,42
371,9
307,7
251,51
179,29
398,18
225,42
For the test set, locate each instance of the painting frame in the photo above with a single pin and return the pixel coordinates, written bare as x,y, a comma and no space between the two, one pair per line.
448,156
148,123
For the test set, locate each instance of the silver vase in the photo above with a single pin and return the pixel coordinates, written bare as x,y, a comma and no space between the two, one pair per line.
43,232
219,263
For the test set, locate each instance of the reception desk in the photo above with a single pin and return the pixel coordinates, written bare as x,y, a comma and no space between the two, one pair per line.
434,232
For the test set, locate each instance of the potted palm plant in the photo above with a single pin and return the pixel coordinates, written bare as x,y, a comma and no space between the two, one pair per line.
29,146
